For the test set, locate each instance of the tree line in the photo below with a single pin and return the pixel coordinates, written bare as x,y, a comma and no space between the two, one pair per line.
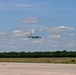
63,53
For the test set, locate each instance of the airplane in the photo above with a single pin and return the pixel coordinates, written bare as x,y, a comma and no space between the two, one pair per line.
34,37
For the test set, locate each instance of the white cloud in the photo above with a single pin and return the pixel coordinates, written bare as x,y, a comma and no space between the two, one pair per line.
3,33
17,31
19,37
71,34
61,29
55,44
38,41
71,44
23,34
24,39
43,29
30,20
55,36
14,6
57,29
19,5
33,31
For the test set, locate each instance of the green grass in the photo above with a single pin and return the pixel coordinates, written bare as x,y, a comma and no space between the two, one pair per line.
39,60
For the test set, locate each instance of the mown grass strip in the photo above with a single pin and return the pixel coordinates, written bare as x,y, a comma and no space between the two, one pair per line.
39,60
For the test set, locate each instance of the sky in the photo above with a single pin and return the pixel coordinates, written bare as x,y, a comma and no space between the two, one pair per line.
53,20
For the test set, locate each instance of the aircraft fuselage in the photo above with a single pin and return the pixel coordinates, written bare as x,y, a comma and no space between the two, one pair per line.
34,37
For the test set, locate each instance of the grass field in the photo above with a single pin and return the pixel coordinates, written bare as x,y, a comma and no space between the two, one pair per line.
39,60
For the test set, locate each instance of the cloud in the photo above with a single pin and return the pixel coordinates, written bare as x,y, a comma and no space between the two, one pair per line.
71,44
18,38
32,31
24,39
43,29
57,29
30,20
37,41
23,32
20,33
17,31
55,36
19,5
3,33
16,6
61,29
71,34
55,44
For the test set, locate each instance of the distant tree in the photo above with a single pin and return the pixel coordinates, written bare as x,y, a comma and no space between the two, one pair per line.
63,53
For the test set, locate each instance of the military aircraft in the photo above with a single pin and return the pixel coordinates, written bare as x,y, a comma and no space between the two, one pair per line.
34,37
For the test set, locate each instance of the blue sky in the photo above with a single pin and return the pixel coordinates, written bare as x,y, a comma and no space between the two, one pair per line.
53,20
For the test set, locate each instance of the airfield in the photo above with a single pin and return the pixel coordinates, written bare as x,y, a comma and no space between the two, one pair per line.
37,69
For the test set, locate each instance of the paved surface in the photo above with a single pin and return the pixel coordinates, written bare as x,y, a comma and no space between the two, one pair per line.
37,69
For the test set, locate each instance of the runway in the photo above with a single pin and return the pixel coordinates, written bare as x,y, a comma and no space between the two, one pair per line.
37,69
